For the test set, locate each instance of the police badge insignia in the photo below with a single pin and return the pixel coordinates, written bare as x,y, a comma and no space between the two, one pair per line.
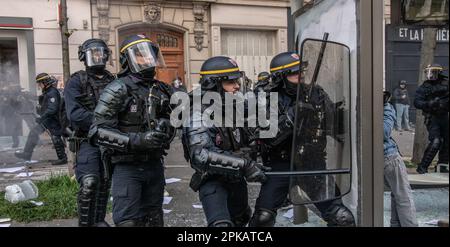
52,100
133,108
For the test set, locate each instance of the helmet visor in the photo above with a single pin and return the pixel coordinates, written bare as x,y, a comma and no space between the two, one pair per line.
432,73
96,56
141,56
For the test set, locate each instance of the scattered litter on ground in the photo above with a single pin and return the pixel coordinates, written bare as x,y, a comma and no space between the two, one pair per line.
12,169
289,214
167,200
24,174
432,222
5,220
172,180
166,211
37,203
197,206
21,192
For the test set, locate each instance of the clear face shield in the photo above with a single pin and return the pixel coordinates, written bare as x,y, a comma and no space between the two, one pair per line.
432,73
234,83
96,56
141,56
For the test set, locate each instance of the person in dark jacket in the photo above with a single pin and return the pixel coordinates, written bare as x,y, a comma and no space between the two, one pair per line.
81,95
432,98
401,100
48,119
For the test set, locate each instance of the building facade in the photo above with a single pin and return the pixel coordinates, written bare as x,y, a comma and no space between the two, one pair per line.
188,32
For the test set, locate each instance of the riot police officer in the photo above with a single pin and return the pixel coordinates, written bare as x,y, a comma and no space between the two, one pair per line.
432,98
48,111
262,83
216,153
131,124
285,70
81,96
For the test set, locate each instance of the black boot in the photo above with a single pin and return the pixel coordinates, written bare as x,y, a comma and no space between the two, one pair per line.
60,151
428,156
32,140
155,218
87,200
102,204
23,155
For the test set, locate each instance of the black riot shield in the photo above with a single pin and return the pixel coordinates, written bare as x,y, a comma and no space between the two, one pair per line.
321,158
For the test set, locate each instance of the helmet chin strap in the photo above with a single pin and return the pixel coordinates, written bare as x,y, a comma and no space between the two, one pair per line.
291,88
96,70
146,75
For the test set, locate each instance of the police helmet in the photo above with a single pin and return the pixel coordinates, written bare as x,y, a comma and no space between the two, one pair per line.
284,63
46,79
433,71
263,76
217,69
140,55
94,53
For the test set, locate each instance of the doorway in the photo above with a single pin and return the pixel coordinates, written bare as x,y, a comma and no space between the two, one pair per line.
172,47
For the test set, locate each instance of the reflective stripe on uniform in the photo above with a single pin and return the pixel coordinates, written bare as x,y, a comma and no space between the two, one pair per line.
134,42
218,71
285,66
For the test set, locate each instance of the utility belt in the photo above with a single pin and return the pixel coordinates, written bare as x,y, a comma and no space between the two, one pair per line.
124,158
199,178
75,143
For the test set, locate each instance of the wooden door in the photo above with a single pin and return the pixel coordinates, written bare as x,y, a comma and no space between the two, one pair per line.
172,48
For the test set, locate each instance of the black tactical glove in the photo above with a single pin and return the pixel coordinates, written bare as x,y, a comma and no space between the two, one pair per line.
152,139
86,101
254,172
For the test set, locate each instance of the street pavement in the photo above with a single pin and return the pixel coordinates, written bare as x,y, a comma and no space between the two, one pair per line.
431,203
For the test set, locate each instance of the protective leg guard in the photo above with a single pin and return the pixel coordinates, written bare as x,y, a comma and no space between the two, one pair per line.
87,199
263,218
428,156
60,151
102,203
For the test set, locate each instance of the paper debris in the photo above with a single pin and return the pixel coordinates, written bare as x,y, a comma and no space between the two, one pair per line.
5,220
37,203
166,211
12,169
432,222
24,174
197,206
167,199
5,225
289,214
172,180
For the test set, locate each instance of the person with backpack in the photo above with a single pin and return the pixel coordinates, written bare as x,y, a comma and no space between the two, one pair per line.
81,95
48,120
